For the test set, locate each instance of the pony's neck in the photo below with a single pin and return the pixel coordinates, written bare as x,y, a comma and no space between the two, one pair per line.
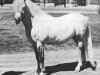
34,9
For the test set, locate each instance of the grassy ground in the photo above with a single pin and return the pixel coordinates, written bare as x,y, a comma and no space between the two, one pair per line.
13,39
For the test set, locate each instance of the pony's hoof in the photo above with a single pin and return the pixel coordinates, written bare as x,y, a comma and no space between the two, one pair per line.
94,68
42,73
76,70
39,73
84,64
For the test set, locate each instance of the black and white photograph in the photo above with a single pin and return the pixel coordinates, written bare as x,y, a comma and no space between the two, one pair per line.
49,37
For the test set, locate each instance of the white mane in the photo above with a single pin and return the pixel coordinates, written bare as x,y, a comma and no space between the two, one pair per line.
34,9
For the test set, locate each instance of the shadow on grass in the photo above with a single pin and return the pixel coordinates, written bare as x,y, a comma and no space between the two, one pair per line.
55,68
13,73
65,67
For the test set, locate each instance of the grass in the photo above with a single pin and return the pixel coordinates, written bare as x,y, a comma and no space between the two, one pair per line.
13,38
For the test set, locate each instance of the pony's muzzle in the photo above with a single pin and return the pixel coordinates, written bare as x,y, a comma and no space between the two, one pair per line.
17,17
17,21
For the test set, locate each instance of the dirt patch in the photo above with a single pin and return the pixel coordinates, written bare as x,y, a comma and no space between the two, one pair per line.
56,62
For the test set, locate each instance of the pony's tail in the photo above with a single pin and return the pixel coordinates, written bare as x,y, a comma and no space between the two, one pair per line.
88,47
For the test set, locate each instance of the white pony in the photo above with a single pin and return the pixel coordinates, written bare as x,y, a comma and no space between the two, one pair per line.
42,28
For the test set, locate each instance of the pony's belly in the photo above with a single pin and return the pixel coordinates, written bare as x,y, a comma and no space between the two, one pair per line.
54,35
57,40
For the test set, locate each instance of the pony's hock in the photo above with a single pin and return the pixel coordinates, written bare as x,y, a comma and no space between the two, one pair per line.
42,28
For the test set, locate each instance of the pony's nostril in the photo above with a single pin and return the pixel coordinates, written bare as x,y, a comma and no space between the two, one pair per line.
17,21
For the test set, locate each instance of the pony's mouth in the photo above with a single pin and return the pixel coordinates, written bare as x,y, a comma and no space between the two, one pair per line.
17,17
17,21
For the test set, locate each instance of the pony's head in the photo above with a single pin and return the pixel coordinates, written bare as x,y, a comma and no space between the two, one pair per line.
18,9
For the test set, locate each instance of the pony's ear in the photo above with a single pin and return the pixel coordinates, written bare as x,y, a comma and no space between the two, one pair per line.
23,4
22,11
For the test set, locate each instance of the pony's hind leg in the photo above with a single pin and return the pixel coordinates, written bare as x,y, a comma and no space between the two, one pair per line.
82,58
88,45
40,58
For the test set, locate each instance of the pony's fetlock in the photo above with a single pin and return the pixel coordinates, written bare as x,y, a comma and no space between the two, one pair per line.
39,72
84,64
77,69
42,73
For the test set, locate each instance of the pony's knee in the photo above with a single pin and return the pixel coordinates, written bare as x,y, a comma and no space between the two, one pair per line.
39,44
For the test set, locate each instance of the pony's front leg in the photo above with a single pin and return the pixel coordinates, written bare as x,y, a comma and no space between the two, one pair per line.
40,59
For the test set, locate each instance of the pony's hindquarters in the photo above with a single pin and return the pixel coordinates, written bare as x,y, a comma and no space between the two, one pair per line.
84,43
88,47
